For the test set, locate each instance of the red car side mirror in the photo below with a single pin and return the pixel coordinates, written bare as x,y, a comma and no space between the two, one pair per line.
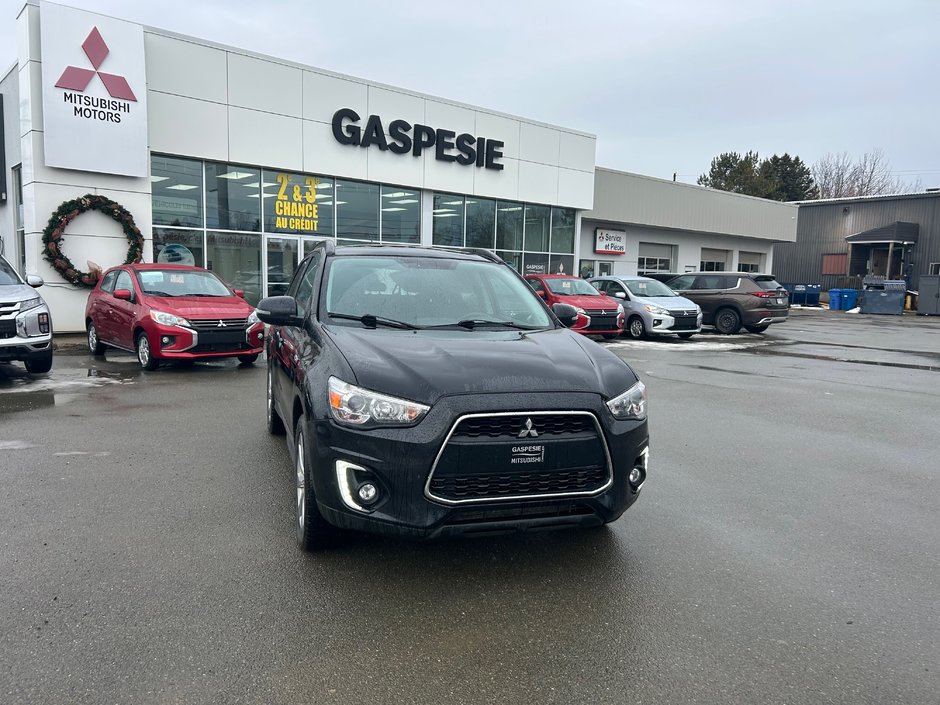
122,294
240,293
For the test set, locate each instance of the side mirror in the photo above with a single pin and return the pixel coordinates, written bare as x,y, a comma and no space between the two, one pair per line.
34,280
240,293
122,294
279,311
620,295
542,293
567,314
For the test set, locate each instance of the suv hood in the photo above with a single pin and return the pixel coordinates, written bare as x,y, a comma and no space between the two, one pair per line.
425,365
17,292
202,307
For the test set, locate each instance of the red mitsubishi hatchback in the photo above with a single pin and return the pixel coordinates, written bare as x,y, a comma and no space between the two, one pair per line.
171,312
598,314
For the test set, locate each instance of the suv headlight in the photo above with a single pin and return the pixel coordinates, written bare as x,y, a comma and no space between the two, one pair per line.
631,404
658,310
30,303
355,406
253,318
169,319
580,310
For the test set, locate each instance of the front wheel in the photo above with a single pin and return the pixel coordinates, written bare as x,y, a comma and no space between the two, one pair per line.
144,355
39,365
247,359
95,346
727,321
756,329
636,328
313,531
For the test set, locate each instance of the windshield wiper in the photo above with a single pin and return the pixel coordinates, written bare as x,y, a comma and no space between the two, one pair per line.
150,292
371,321
472,323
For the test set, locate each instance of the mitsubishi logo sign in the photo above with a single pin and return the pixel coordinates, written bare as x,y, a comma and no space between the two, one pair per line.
528,430
94,92
77,79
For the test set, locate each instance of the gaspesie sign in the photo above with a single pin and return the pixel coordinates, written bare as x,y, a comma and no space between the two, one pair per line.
610,242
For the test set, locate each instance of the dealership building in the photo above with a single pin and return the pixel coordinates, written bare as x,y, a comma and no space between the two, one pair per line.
240,162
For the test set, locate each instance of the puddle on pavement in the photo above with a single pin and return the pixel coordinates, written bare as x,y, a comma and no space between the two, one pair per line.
20,391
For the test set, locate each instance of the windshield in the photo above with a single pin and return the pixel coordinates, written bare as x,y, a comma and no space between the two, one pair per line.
571,287
430,291
649,289
177,282
8,275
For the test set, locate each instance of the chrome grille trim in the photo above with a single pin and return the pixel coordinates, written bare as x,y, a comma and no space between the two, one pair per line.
478,500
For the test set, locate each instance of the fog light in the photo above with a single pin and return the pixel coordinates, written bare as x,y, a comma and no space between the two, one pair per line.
635,476
368,492
165,340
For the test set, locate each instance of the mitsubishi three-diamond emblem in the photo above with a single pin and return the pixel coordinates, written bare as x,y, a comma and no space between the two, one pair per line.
77,79
528,430
221,324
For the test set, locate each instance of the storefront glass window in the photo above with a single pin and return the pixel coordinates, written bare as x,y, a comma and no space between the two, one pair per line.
308,245
448,220
513,259
535,263
357,210
537,220
563,230
509,225
233,197
561,264
297,203
172,246
176,185
481,222
237,259
282,263
401,215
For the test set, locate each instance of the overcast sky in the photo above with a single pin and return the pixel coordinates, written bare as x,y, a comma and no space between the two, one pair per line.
664,84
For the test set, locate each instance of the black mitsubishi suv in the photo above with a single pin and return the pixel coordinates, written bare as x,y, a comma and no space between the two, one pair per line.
428,392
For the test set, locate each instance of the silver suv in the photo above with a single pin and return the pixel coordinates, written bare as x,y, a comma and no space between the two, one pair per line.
25,323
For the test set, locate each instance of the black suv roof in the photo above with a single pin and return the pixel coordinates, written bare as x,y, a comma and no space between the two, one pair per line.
405,249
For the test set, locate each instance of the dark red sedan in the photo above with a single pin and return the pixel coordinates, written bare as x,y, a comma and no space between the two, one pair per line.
171,312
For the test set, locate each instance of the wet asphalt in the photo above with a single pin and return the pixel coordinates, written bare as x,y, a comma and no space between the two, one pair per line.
784,549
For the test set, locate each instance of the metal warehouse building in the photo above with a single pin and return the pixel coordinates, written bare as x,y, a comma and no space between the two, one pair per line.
840,241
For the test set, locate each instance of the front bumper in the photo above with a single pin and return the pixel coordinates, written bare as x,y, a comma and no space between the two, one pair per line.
23,349
665,324
399,463
25,335
179,343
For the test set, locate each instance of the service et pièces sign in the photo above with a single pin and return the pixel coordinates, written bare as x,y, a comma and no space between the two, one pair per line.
610,242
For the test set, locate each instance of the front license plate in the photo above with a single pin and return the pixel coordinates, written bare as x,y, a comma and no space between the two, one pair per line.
527,455
780,301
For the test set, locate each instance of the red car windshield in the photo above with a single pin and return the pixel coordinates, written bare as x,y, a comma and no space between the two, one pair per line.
571,287
176,282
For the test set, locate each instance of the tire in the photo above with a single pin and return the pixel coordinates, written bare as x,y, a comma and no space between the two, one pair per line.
636,328
144,355
313,531
727,321
757,329
247,359
275,422
39,365
95,346
611,336
685,336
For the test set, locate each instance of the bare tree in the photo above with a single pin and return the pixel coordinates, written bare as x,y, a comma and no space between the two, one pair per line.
838,176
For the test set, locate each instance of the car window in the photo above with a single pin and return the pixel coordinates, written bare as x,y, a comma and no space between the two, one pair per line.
426,291
8,275
767,282
304,293
649,289
124,281
685,282
536,285
571,287
107,284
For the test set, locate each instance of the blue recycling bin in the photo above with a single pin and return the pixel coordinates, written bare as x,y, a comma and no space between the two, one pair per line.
812,294
835,299
849,299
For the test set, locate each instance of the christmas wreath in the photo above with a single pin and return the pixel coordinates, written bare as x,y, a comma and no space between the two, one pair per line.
65,214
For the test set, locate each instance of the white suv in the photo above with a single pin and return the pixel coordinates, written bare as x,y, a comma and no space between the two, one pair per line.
25,323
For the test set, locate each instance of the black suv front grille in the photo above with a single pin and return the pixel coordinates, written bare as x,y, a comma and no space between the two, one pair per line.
521,456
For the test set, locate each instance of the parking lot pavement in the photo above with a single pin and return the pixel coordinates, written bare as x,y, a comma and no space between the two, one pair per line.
783,549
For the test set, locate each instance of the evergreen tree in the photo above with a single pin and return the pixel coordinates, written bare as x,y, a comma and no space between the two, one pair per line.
779,178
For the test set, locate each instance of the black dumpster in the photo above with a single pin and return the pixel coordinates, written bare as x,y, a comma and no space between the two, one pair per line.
880,295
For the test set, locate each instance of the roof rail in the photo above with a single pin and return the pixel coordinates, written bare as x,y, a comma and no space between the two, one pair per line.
486,254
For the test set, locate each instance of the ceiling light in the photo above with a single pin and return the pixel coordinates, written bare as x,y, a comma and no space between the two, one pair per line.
452,203
443,210
389,210
396,194
447,215
514,208
236,175
181,187
155,179
406,200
